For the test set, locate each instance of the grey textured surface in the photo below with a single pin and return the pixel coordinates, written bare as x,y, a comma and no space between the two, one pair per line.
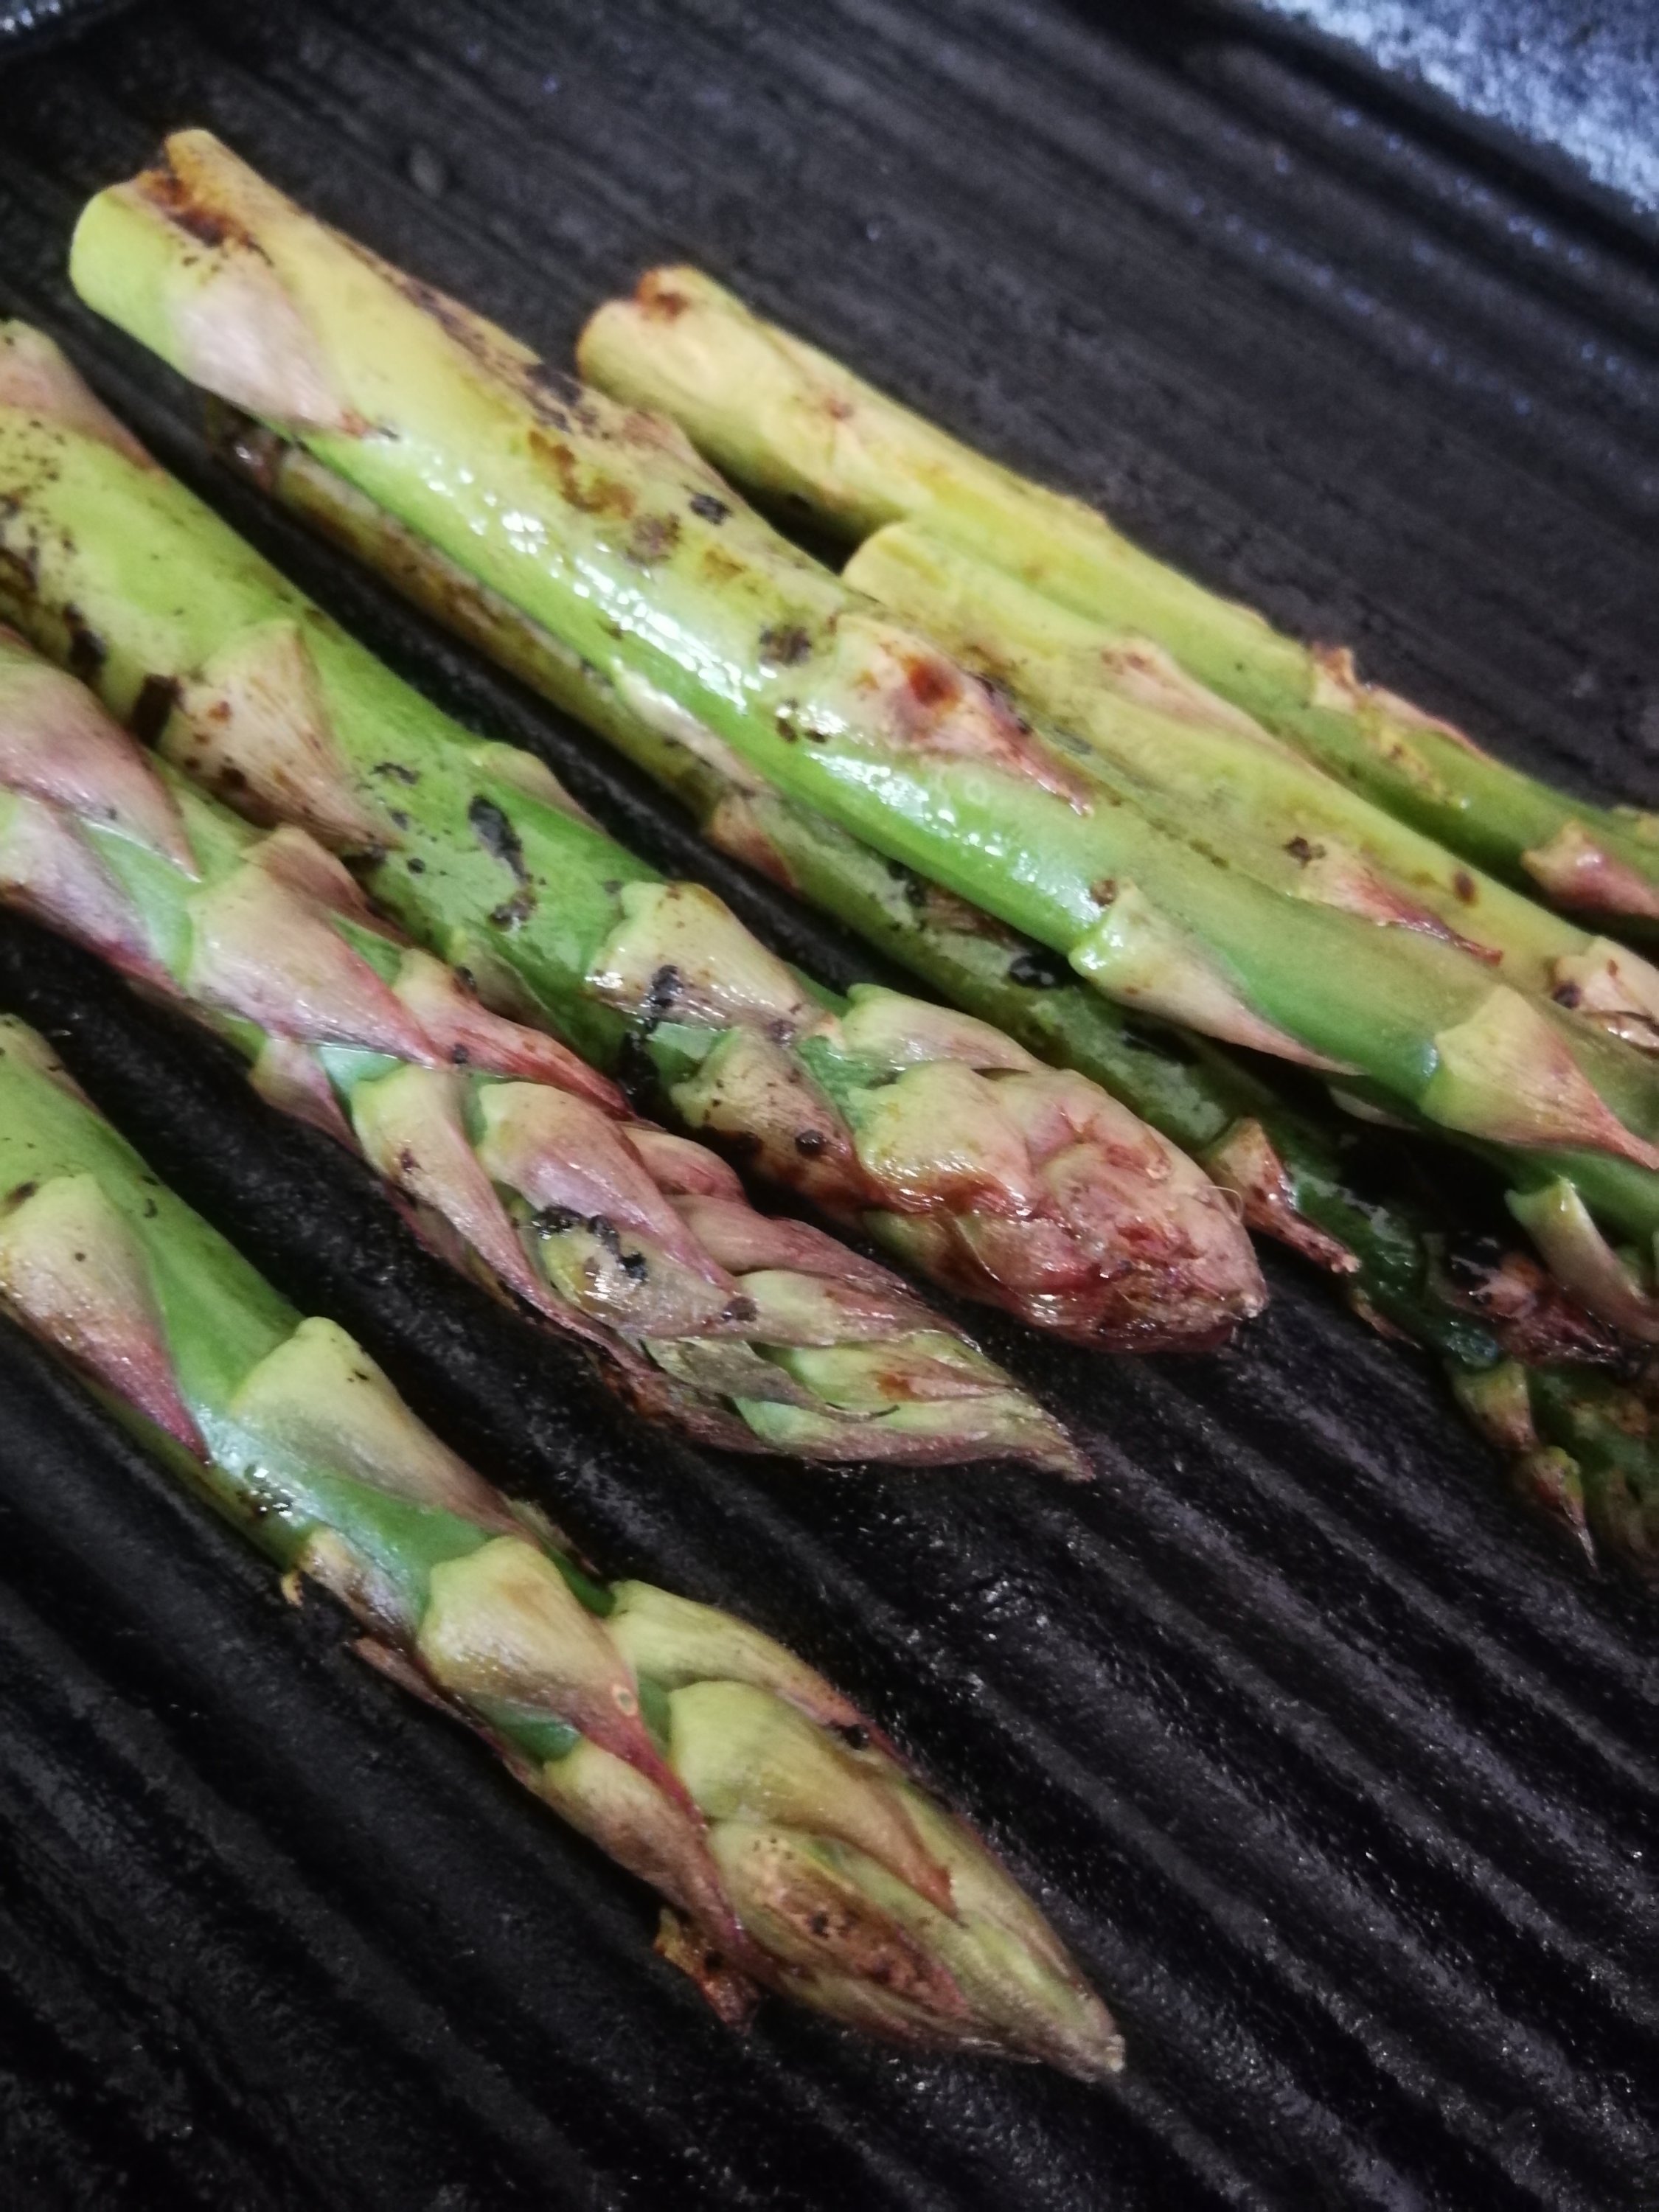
1579,76
30,22
1341,1783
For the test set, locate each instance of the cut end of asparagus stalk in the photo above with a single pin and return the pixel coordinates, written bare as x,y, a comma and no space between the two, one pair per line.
682,344
703,1756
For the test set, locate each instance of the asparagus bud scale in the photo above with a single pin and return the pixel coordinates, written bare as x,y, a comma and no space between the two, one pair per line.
793,1849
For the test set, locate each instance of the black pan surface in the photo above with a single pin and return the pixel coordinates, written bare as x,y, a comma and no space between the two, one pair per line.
1340,1780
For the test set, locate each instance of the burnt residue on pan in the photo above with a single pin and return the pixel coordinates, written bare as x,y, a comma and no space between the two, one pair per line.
1341,1784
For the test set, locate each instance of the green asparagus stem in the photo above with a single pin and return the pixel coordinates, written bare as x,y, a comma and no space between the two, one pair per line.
1522,1357
794,1851
1060,688
947,1143
525,1165
1202,767
795,427
606,531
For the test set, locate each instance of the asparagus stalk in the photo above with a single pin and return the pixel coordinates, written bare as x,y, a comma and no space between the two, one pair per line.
795,427
1530,1368
526,1167
946,1142
1194,761
794,1851
602,527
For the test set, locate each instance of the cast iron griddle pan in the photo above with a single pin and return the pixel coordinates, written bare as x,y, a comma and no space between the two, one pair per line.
1338,1780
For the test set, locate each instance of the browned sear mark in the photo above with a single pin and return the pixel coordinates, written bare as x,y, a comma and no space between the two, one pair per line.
932,682
660,299
157,697
652,537
600,494
785,644
209,227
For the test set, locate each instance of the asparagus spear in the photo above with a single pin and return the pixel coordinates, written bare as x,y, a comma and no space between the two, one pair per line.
944,1140
795,427
1195,761
606,531
1531,1368
794,1851
526,1166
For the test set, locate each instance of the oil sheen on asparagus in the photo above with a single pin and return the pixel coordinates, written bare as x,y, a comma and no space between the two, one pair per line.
602,526
1559,1394
794,1851
520,1163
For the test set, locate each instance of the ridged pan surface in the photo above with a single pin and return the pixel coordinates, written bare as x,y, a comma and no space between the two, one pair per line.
1341,1784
